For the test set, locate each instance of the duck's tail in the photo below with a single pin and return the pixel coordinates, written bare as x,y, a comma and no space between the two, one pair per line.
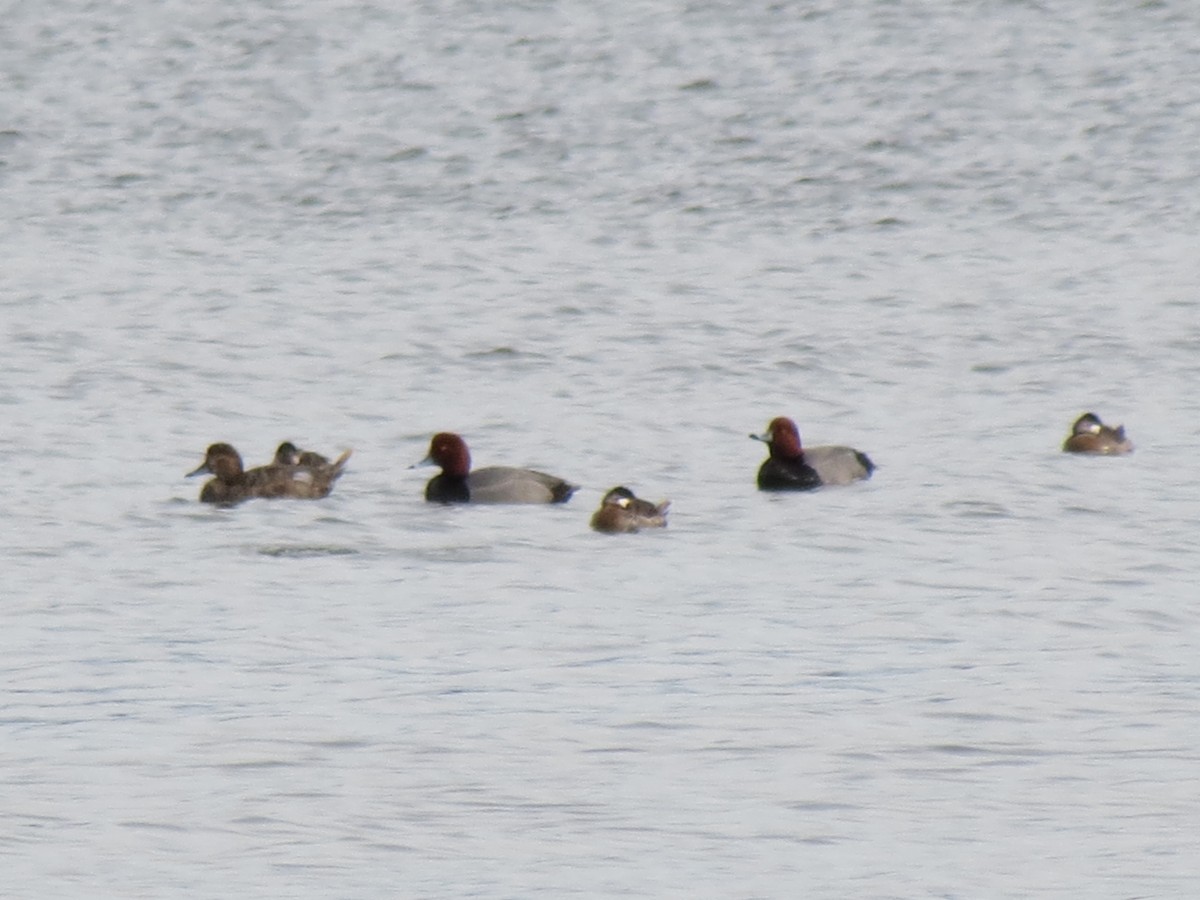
562,491
865,462
338,465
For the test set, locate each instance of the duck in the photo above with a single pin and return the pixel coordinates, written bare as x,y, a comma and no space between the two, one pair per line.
791,467
287,454
1090,435
232,484
459,483
621,511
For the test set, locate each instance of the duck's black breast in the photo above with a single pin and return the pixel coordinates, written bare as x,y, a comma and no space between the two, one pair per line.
447,489
787,475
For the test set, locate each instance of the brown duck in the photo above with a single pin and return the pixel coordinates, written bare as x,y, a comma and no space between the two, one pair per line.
621,511
232,484
1090,435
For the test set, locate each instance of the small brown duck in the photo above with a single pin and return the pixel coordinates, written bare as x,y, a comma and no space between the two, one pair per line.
1090,435
287,454
232,484
622,512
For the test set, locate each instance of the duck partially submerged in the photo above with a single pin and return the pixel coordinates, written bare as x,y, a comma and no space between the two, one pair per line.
621,511
459,483
791,467
233,484
287,454
1090,435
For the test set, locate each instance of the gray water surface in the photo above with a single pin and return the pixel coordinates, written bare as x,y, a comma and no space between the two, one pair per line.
607,243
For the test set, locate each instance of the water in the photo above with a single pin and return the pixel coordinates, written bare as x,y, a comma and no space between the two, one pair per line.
609,246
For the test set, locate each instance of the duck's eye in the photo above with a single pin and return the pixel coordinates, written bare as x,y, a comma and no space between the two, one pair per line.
623,502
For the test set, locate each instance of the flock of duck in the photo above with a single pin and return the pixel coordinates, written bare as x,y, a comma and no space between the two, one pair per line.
303,474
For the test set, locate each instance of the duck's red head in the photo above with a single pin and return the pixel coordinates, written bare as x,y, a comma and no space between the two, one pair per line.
449,451
783,437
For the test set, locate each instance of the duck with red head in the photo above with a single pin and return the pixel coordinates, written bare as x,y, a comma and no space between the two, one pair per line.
459,483
232,484
791,467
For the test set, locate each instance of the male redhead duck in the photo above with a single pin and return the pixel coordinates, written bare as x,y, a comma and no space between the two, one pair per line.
458,483
620,511
233,485
1090,435
287,454
791,467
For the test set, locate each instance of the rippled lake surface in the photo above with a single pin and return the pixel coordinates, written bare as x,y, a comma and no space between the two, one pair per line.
608,243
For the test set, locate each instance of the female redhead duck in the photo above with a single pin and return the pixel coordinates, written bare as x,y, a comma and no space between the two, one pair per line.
620,511
458,483
791,467
1090,435
232,485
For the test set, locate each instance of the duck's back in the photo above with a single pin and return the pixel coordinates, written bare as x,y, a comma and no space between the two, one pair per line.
839,465
314,479
277,481
507,484
298,482
312,460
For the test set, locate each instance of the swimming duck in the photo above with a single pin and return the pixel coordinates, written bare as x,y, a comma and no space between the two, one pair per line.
621,511
232,485
1090,435
287,454
791,467
458,483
